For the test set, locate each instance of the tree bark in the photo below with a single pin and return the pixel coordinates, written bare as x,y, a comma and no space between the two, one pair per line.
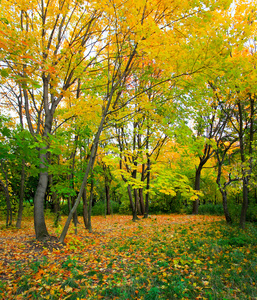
197,188
225,206
141,200
85,209
90,203
134,211
108,201
39,199
245,203
22,182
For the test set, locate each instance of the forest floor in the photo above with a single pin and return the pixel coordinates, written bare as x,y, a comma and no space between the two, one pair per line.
162,257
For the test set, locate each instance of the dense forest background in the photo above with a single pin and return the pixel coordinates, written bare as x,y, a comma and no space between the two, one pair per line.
130,107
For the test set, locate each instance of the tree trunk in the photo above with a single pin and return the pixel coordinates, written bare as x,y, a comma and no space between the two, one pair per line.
90,203
137,203
85,209
148,171
141,200
108,201
134,211
39,199
89,167
75,215
246,173
245,203
9,209
197,188
225,206
20,209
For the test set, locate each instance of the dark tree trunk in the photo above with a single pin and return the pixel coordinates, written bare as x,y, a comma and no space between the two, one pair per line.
137,203
147,193
20,209
90,203
197,188
245,203
148,171
39,199
141,200
85,209
134,211
108,201
9,208
225,206
75,215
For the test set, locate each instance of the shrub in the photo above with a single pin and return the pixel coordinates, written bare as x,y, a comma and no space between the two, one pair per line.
65,209
28,210
124,208
99,209
211,209
251,215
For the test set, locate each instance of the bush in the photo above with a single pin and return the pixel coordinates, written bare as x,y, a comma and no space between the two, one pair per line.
211,209
99,209
251,215
28,210
166,204
65,209
125,208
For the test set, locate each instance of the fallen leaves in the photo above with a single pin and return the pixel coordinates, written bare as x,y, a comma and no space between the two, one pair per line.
163,257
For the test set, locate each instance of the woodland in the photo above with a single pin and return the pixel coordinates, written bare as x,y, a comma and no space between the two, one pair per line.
128,149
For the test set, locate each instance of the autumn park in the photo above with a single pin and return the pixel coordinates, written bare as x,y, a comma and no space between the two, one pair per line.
128,149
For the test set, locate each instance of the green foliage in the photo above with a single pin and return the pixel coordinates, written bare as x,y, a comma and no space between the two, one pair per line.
65,209
211,209
28,210
251,215
125,208
99,209
166,204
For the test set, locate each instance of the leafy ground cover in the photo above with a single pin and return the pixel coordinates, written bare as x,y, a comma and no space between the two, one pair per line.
163,257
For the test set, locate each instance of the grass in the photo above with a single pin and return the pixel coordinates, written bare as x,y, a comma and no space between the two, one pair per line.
163,257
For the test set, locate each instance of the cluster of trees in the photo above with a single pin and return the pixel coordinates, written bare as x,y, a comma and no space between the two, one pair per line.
142,102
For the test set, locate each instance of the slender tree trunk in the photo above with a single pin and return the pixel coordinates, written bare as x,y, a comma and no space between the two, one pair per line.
108,201
225,206
56,206
134,211
20,209
9,209
89,167
147,194
90,203
148,172
197,188
244,171
245,203
85,209
75,215
141,200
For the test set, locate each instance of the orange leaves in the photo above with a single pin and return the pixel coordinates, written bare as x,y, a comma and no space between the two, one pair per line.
156,256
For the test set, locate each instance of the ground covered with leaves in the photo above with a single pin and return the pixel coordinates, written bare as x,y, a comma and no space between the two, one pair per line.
163,257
